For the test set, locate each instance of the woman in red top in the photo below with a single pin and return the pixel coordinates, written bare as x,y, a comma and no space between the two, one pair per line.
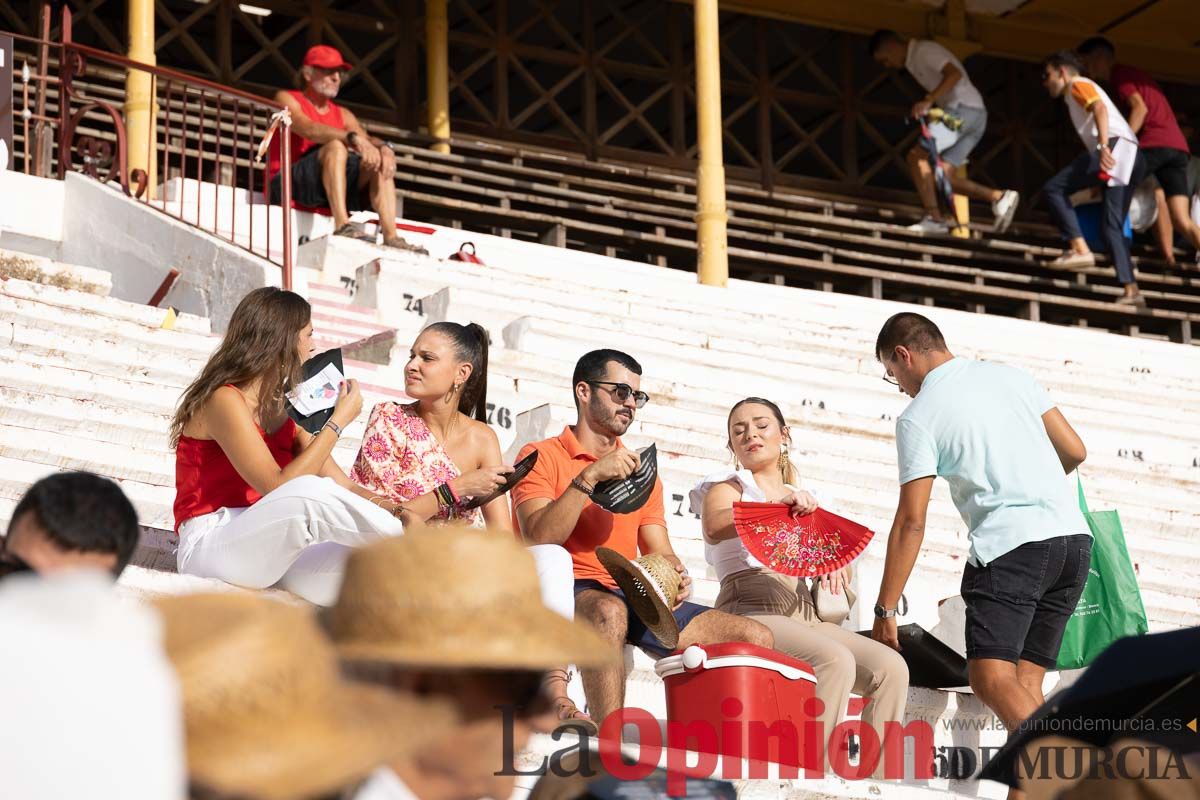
259,501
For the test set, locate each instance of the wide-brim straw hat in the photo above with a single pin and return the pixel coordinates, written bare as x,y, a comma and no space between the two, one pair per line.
455,598
651,585
267,712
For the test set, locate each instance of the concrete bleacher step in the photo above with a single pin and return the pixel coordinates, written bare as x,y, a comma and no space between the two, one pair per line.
45,271
704,410
152,501
110,307
674,289
498,300
809,409
37,314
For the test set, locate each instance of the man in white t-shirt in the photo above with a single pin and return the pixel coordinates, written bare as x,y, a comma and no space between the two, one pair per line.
947,85
996,437
1111,160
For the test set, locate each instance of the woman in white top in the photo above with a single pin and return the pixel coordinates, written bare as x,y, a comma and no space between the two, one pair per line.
842,660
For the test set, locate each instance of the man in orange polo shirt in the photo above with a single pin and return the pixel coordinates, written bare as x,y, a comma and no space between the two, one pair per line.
552,505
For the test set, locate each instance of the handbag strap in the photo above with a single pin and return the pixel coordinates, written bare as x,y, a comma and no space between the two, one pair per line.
1083,506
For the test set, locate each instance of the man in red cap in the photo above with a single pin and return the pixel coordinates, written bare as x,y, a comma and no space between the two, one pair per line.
335,163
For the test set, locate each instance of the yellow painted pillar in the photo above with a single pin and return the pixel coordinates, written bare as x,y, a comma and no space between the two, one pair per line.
711,242
962,207
437,68
140,108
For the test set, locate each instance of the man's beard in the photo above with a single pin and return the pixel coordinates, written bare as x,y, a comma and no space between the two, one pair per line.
328,93
614,423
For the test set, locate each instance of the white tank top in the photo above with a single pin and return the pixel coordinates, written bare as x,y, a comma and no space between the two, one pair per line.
731,555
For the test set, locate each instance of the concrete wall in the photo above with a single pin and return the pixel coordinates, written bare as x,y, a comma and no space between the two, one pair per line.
103,228
31,213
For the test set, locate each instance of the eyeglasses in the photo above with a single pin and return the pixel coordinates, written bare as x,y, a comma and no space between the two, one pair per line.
889,379
623,391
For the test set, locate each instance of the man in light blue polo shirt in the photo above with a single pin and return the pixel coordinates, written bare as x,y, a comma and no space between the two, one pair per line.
993,433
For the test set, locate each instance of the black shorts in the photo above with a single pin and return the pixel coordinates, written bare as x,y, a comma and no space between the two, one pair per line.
309,190
1019,604
1170,167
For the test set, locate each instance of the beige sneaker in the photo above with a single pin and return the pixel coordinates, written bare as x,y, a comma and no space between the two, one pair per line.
1073,261
1135,300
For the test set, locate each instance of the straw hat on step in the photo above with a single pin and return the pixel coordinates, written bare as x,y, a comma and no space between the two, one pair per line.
651,585
454,598
267,713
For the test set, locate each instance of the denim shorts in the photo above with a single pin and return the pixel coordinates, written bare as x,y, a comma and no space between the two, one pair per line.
636,633
974,126
1019,604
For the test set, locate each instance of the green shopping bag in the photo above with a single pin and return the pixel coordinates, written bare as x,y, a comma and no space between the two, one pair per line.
1111,605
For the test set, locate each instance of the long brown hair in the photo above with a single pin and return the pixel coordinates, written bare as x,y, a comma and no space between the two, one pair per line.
787,470
261,342
470,345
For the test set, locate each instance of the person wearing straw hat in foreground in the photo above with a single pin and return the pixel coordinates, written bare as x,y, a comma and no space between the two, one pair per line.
643,602
457,614
267,713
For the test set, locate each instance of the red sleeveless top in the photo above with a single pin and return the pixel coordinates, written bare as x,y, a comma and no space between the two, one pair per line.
206,480
332,117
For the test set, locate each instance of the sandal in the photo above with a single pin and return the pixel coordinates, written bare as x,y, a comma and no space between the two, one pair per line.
400,243
352,231
564,707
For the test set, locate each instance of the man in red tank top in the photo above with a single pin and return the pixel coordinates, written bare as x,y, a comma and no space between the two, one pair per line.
336,164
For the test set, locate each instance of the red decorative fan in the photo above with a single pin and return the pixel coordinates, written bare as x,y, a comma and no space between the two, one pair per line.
805,546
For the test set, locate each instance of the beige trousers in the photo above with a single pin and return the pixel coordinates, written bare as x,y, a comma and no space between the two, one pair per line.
843,660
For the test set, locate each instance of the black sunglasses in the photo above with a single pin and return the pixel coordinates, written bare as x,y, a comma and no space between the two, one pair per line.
623,391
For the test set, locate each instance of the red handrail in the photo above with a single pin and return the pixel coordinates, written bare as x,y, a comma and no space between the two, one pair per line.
104,155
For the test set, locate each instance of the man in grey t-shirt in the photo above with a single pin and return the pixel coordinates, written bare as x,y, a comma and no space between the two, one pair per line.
947,85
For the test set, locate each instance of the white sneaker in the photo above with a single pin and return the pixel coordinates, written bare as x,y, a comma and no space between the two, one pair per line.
1004,209
1071,260
928,225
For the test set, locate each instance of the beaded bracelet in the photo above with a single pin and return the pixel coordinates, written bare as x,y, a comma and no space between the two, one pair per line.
445,496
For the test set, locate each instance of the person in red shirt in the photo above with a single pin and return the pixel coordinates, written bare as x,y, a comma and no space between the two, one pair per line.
553,505
336,164
1159,137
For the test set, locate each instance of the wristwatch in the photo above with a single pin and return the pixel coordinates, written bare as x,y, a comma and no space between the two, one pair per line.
887,613
352,138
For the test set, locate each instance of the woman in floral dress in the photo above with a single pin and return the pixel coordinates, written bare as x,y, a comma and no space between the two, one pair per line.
441,445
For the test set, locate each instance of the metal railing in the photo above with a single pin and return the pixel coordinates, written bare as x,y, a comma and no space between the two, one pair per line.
203,164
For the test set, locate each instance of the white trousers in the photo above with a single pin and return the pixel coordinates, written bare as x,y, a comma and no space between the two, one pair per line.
556,574
296,537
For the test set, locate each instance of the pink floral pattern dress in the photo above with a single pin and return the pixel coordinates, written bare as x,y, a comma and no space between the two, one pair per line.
400,459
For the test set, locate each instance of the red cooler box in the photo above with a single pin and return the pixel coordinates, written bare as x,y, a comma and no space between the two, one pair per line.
703,682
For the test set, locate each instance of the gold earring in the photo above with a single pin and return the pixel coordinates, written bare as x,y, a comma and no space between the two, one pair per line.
783,460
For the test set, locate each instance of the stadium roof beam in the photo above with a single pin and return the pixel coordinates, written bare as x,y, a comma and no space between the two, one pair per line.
1001,36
